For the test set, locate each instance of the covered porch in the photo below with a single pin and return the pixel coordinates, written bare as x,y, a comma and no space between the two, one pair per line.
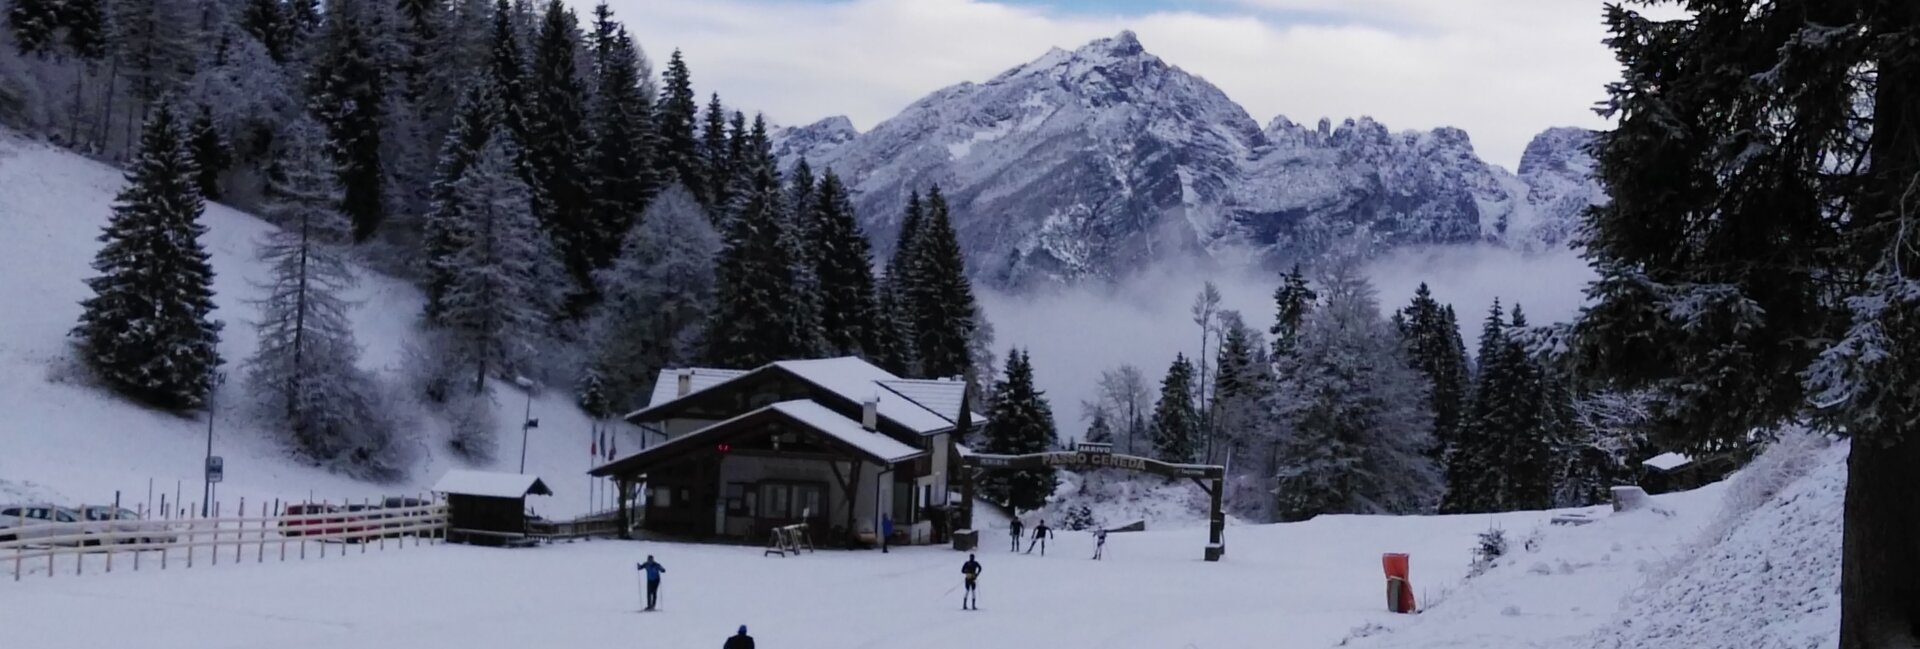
792,462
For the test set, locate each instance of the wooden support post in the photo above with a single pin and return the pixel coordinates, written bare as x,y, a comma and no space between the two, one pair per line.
1217,525
260,554
193,536
19,551
215,547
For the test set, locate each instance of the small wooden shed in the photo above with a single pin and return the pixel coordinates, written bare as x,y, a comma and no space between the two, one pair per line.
486,508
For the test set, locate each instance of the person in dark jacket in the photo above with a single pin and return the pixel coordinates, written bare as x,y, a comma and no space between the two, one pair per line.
1040,535
972,571
653,570
740,640
1014,531
1099,542
886,531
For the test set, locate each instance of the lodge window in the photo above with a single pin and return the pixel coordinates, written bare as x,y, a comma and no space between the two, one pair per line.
740,499
791,501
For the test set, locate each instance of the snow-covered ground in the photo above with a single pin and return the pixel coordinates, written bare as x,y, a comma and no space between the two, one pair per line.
1298,585
64,440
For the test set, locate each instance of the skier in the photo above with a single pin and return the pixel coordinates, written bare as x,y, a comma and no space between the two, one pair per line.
740,640
1014,530
653,570
1040,535
970,600
1099,543
886,531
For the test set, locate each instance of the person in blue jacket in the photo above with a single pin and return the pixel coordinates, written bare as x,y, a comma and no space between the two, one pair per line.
886,531
653,570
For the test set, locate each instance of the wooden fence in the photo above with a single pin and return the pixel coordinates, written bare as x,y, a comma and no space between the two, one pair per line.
172,541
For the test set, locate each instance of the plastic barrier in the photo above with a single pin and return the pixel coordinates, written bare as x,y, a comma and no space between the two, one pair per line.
1399,589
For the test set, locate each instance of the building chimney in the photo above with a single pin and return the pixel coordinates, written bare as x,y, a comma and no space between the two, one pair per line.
686,382
870,413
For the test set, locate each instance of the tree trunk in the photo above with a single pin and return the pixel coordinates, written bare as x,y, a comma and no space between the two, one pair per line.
1879,576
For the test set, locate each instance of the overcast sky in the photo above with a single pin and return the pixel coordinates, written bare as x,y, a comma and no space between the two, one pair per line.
1502,69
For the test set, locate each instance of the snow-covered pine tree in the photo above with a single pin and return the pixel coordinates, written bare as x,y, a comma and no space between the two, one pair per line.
1019,422
1293,300
679,157
304,374
1242,381
753,323
1474,483
620,157
557,149
1176,426
1099,431
347,90
33,24
1435,347
473,127
899,353
147,330
507,72
850,313
940,296
715,168
659,295
807,301
266,21
503,270
1527,458
210,154
1354,427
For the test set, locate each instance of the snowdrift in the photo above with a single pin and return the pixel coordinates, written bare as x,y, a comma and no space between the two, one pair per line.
66,440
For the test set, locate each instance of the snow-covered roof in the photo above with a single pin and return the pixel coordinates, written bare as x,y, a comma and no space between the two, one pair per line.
846,430
860,381
487,483
1668,461
940,396
667,386
925,407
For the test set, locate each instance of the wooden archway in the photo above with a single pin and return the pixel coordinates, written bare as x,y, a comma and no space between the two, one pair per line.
1210,477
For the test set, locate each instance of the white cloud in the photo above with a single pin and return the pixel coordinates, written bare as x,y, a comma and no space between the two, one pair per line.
1502,69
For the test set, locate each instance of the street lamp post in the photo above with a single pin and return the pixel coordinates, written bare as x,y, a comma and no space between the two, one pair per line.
206,478
529,422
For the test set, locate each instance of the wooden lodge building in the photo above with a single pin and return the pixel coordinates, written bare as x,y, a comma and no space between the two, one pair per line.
833,443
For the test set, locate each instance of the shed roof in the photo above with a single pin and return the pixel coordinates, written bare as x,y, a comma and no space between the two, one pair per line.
491,484
1668,461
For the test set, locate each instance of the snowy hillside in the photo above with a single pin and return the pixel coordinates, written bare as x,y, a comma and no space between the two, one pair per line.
1095,162
66,440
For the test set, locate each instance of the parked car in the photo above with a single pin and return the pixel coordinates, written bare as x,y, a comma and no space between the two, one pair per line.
23,522
394,520
128,522
317,521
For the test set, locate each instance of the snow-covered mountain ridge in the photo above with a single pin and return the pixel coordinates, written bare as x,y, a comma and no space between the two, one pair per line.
1093,163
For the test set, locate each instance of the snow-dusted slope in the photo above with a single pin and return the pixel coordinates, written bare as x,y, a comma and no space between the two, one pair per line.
64,439
1104,160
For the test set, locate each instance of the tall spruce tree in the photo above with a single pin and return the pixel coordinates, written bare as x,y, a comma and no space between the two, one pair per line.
900,353
807,300
1293,300
473,127
507,72
1473,460
620,160
33,24
1354,427
503,270
850,314
679,157
1020,422
716,159
347,90
1435,348
1099,431
304,372
147,330
754,322
557,149
1755,258
1176,424
940,297
210,154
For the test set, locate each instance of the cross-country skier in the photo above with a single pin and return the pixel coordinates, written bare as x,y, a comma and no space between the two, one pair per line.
1099,542
886,531
970,600
1040,535
1014,530
653,570
739,640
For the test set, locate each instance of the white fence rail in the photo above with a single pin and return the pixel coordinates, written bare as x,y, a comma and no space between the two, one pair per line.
171,541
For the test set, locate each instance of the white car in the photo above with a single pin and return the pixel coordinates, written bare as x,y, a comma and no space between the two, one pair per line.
23,522
128,522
